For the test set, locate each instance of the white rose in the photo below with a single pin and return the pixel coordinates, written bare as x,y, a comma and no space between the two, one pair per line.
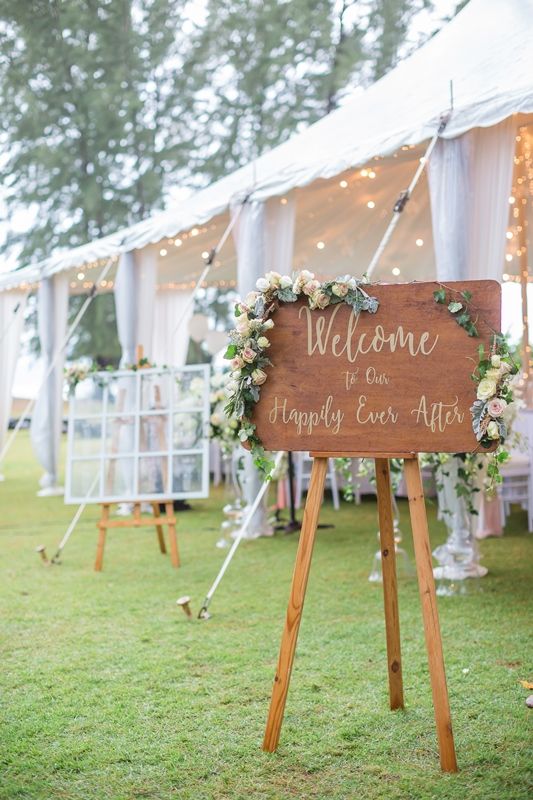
216,420
268,324
486,388
262,284
243,326
285,282
263,342
250,298
493,432
273,278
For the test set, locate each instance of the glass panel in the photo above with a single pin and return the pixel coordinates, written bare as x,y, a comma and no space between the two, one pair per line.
120,435
88,398
153,472
188,389
187,433
84,478
87,438
153,433
154,391
122,395
118,477
187,473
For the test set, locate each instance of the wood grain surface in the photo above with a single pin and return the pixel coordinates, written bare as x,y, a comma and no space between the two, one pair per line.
398,380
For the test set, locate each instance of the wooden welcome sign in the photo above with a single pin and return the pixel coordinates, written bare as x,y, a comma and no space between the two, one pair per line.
397,381
390,384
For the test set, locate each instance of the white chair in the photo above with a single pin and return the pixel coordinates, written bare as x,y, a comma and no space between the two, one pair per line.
517,485
302,470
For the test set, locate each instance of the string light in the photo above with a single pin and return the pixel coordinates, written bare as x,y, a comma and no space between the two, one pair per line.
162,252
205,254
509,234
371,204
177,242
283,201
80,276
508,257
395,270
195,232
343,184
419,242
512,200
372,174
320,245
364,173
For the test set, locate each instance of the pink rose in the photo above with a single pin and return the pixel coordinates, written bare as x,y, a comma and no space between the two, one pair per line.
237,363
258,377
248,355
311,287
496,407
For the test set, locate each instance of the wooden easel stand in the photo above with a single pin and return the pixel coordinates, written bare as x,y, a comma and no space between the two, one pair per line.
426,586
138,521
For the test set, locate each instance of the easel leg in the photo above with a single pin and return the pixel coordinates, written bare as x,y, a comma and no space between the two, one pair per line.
102,527
173,539
426,585
159,529
296,602
390,584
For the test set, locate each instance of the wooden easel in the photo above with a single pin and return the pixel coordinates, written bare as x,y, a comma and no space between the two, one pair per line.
426,587
138,521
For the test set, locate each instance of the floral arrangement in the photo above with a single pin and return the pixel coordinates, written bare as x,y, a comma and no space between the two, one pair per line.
75,374
221,427
249,342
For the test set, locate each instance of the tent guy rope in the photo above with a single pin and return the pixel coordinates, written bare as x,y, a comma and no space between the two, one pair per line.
203,614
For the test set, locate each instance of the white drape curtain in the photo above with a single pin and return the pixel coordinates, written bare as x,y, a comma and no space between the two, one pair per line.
264,240
52,311
470,182
170,345
135,292
12,306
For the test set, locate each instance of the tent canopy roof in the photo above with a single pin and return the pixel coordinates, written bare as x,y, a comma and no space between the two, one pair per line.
484,51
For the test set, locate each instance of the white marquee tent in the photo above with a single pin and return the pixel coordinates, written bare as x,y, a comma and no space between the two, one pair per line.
322,200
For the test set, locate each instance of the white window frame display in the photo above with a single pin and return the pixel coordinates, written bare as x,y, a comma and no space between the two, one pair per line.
112,453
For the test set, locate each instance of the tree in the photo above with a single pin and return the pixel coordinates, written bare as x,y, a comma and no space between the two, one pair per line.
91,115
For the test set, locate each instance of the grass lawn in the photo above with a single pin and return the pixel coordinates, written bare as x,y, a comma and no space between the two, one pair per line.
108,692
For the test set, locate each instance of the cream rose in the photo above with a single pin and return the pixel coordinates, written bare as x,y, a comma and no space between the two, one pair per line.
268,324
262,285
319,300
263,342
496,406
486,388
340,289
258,377
216,420
285,282
237,362
250,298
243,326
496,361
493,432
248,355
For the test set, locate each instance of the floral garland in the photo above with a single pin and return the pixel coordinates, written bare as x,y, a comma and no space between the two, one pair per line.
249,343
492,375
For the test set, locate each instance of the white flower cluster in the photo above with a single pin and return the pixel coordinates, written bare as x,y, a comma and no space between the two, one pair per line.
222,428
489,392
